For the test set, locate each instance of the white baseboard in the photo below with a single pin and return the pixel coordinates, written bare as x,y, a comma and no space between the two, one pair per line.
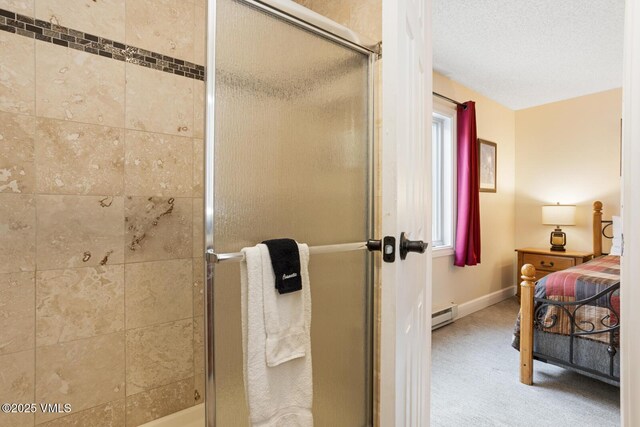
485,301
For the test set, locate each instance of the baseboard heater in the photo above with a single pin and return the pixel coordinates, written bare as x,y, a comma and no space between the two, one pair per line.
444,316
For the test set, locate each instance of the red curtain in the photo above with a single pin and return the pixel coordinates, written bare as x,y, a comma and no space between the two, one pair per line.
467,250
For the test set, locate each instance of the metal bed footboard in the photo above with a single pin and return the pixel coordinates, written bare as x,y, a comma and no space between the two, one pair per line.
579,328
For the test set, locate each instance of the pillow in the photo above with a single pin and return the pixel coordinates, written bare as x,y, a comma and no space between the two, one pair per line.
616,244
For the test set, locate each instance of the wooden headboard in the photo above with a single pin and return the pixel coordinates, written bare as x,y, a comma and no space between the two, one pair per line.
598,229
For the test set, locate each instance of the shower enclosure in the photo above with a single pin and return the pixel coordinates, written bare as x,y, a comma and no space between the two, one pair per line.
289,154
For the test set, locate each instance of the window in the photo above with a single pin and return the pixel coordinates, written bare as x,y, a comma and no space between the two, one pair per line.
443,179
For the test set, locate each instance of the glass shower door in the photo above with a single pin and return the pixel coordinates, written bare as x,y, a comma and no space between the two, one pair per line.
292,147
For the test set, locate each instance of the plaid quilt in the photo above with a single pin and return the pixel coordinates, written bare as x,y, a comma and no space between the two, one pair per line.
574,284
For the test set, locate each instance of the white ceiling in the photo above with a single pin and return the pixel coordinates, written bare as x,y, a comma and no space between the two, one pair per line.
526,53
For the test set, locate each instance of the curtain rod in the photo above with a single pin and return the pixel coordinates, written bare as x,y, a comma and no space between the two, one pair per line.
449,99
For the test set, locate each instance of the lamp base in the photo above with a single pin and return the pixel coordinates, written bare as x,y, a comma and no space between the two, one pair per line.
558,240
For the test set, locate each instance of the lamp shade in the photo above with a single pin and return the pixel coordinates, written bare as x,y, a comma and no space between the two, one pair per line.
559,214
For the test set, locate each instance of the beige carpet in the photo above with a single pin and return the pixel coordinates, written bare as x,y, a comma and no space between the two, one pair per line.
475,381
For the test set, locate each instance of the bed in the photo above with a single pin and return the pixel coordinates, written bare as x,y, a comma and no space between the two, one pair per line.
570,318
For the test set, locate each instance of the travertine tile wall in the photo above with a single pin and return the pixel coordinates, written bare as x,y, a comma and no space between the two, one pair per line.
101,301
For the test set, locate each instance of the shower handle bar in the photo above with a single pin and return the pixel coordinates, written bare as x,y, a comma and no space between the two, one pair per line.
371,245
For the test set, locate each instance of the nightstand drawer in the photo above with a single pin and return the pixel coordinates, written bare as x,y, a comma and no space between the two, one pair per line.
548,262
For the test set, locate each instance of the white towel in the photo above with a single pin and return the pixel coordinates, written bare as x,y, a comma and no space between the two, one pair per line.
276,343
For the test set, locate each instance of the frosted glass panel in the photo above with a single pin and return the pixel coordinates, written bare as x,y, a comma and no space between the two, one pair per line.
291,161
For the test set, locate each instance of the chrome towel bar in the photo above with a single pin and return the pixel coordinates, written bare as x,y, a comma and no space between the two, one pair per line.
313,250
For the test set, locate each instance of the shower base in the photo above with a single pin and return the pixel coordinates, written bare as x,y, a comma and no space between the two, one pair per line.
190,417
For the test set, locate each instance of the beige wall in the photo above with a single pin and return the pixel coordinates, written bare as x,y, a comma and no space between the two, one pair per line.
462,284
583,133
567,152
101,298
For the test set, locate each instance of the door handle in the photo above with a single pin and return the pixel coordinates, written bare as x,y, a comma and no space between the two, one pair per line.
407,246
387,246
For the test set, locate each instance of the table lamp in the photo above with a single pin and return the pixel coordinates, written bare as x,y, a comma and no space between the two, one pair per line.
558,215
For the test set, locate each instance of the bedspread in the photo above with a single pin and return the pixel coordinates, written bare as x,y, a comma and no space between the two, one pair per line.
574,284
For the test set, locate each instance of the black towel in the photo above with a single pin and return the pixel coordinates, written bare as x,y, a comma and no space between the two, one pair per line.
285,260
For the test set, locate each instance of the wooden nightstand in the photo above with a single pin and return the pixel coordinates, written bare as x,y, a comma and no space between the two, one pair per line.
546,261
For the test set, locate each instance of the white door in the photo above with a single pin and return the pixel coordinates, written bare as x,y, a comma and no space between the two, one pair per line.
406,207
629,290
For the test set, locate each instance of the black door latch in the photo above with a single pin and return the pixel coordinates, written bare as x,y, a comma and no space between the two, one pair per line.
387,246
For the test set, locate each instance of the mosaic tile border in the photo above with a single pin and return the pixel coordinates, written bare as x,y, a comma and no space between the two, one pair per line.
44,31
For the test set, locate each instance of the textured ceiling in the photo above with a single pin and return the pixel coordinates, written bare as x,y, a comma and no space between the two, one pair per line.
527,53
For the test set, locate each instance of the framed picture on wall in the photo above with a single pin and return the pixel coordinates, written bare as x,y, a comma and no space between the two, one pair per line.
487,157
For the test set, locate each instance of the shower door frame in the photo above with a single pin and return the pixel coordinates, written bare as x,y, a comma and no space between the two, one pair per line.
306,19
